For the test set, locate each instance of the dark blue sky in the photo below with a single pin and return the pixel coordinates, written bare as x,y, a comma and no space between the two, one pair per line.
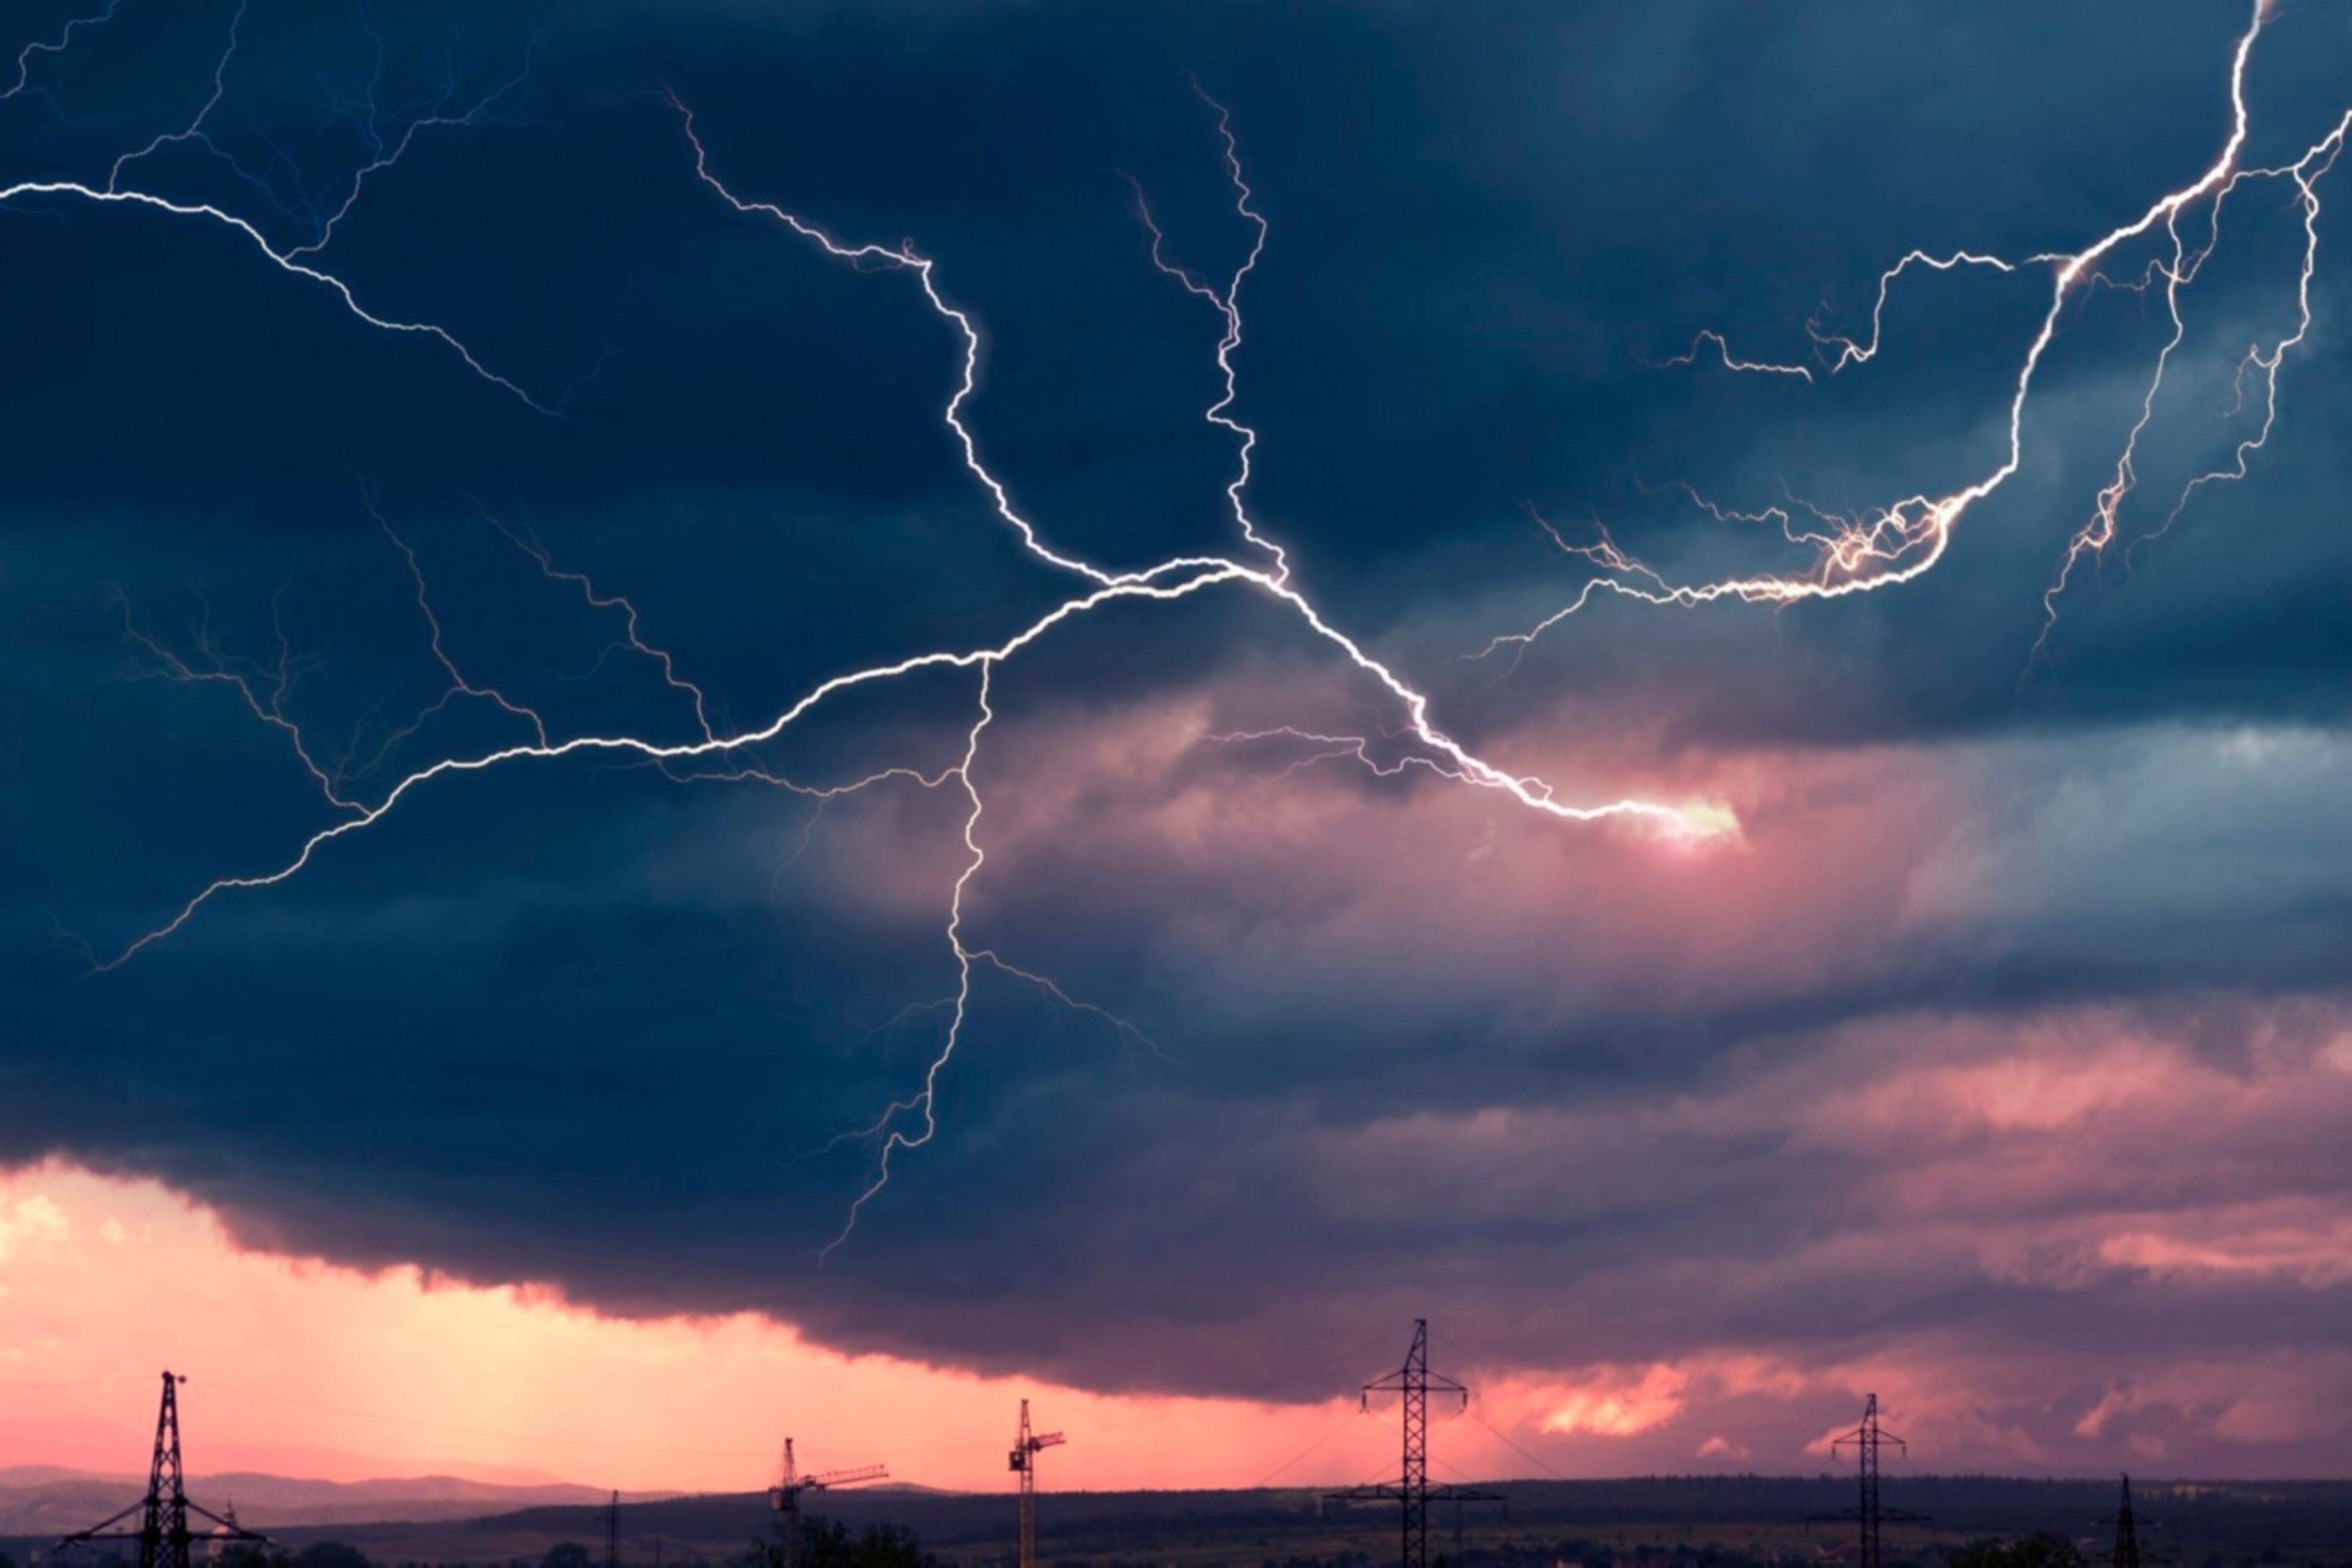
1617,1100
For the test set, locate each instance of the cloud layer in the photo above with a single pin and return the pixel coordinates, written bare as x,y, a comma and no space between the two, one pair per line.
1999,1064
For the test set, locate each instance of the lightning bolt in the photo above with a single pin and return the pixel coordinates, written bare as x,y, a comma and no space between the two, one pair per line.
719,752
284,261
1902,539
1446,756
1852,553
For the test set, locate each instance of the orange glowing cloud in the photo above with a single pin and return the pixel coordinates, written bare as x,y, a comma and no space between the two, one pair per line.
1621,1410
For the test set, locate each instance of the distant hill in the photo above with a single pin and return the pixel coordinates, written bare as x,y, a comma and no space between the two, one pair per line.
44,1501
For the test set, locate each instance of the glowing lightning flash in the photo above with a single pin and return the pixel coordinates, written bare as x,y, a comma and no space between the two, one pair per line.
1190,574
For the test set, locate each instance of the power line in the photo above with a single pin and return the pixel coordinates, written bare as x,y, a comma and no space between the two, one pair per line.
1350,1354
1345,1422
1532,1459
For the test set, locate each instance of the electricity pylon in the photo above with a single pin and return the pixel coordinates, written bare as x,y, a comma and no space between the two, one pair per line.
1025,1447
2127,1532
162,1533
1867,1515
784,1496
1411,1488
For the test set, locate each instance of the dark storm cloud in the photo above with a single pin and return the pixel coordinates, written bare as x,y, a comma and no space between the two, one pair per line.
570,1021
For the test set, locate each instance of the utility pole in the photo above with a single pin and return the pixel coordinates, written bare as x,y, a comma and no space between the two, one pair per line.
1412,1490
1867,1514
784,1496
1025,1445
612,1531
162,1533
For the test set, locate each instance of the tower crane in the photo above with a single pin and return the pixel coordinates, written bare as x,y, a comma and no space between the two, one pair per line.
784,1496
1025,1448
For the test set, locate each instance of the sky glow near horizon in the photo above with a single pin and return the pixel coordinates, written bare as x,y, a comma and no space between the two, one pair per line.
831,712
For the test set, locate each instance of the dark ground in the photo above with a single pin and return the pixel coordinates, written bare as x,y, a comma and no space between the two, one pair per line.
1657,1523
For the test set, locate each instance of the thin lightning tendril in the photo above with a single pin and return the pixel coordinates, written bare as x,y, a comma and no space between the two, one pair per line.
265,689
45,47
458,685
386,157
289,259
194,129
631,637
1227,301
2094,537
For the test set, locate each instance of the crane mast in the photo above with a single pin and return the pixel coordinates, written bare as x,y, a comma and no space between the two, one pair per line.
1025,1445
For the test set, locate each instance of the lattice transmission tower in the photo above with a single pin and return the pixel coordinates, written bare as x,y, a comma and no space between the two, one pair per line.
1867,1513
162,1533
2127,1532
1413,1494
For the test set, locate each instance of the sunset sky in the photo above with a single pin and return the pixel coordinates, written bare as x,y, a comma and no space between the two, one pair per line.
1156,942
